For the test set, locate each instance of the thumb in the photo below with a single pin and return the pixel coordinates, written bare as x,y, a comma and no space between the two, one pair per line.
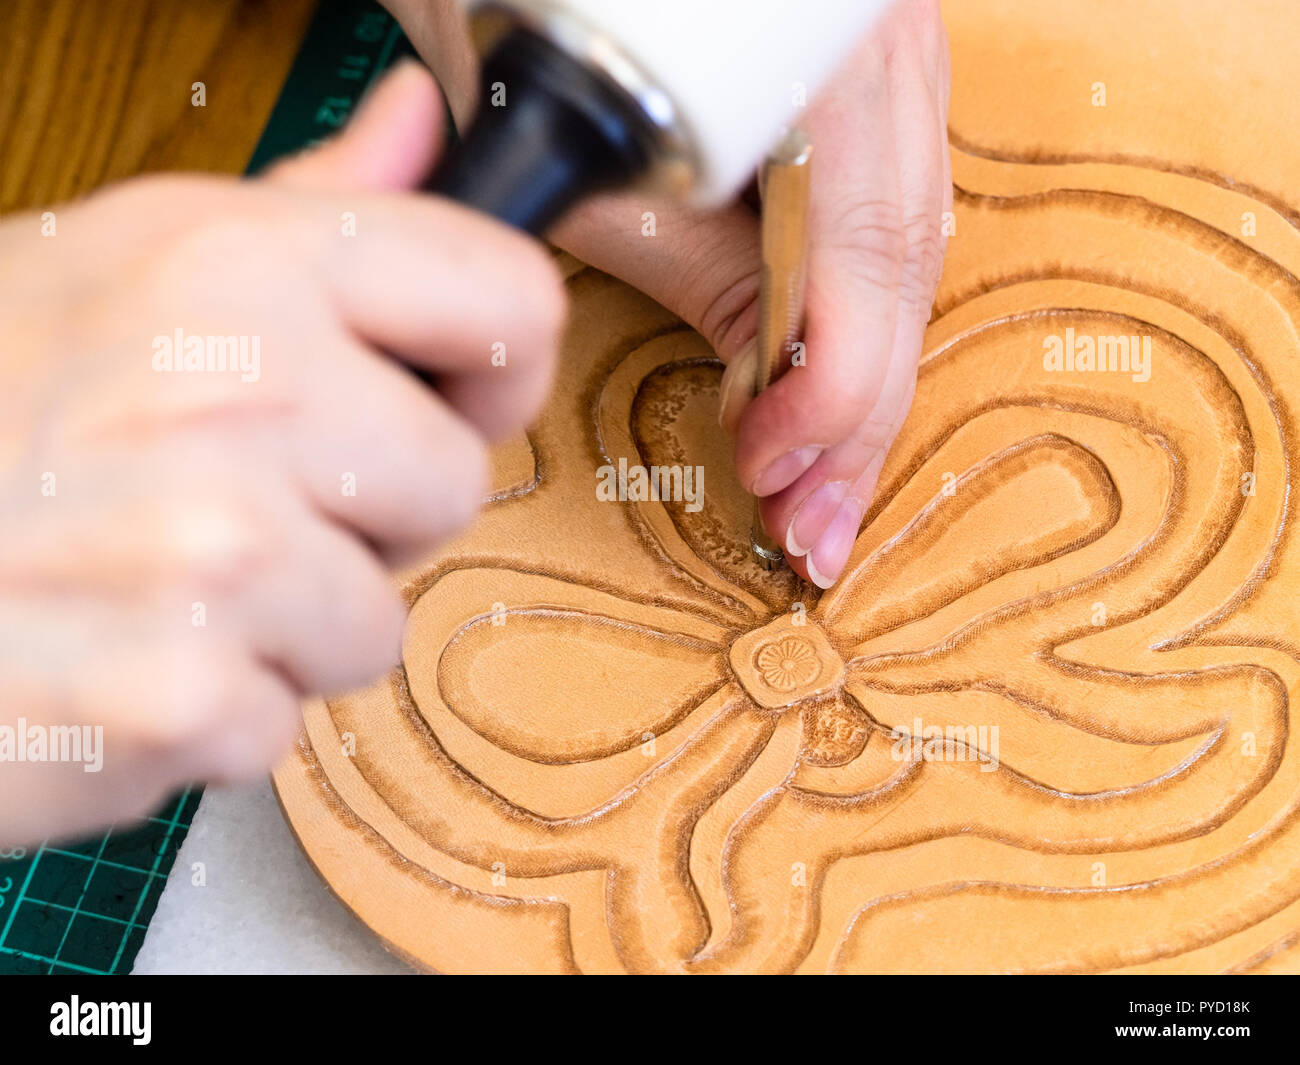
389,144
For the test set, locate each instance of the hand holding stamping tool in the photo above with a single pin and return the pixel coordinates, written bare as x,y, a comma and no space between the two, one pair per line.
784,184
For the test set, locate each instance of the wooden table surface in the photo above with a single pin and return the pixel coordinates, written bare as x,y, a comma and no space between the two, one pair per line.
92,91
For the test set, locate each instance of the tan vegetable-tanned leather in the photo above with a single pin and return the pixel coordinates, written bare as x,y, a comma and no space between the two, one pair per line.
1041,724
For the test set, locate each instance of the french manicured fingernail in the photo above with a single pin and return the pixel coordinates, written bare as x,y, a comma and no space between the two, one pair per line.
865,486
814,514
737,387
785,470
827,558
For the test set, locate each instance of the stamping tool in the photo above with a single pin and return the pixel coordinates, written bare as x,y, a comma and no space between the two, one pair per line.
784,185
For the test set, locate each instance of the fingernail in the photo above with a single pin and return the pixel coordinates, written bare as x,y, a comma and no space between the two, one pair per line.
864,487
785,470
737,387
813,516
827,559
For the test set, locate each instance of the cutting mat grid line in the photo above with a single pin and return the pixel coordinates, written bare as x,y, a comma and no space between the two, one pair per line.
84,907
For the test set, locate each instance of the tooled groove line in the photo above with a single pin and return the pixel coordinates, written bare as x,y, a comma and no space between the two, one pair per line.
692,701
355,824
1257,376
1280,423
1212,552
1135,162
1057,276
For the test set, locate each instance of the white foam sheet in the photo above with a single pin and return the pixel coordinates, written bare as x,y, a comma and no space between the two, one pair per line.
263,908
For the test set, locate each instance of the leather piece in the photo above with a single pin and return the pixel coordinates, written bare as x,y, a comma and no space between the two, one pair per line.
613,747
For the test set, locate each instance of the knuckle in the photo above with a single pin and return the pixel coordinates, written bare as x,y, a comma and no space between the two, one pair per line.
924,260
870,243
857,393
385,621
143,799
477,479
196,689
473,483
247,748
284,723
237,249
226,241
723,309
374,643
213,546
927,12
467,461
542,305
148,190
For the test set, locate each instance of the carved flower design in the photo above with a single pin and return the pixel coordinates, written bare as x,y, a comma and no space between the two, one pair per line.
788,663
618,745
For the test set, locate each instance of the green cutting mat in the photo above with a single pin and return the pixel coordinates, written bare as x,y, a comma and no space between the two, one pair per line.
84,908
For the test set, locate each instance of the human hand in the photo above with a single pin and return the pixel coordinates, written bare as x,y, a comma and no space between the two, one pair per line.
186,553
812,446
